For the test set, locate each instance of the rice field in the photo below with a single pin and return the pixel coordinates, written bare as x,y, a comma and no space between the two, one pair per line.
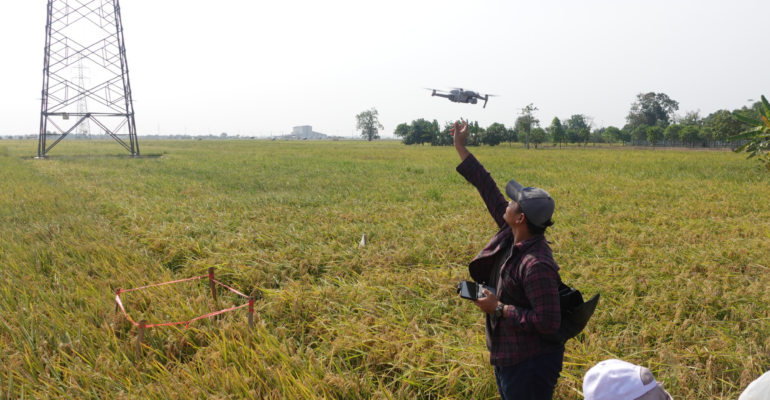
676,242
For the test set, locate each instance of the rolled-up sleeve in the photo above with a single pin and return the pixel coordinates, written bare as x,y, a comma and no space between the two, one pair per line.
541,285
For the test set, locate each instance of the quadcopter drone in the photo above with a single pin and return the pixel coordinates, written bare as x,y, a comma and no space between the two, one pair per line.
458,95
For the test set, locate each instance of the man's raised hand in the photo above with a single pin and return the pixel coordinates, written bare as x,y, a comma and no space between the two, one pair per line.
460,132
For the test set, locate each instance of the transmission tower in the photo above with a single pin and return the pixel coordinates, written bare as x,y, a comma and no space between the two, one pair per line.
84,129
79,31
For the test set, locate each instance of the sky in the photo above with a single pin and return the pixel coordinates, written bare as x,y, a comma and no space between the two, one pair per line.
256,68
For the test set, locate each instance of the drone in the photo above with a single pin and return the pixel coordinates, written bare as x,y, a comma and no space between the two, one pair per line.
458,95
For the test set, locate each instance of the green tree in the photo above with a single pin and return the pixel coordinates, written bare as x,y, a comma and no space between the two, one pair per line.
558,135
706,133
649,108
613,134
537,136
584,135
369,124
690,133
753,112
475,134
445,139
438,136
495,134
654,133
529,119
597,136
511,136
691,118
673,132
627,133
573,136
724,124
523,126
758,135
403,131
640,133
574,127
422,131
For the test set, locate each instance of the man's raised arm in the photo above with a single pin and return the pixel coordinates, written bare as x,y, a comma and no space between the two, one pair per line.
479,177
460,133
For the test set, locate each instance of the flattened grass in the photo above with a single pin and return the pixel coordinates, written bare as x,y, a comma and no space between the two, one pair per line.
676,243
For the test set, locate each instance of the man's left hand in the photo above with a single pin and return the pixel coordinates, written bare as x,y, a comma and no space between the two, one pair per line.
488,303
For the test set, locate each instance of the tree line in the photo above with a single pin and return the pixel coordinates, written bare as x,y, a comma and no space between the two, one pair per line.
652,117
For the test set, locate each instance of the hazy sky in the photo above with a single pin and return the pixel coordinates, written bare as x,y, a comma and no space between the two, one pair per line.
252,67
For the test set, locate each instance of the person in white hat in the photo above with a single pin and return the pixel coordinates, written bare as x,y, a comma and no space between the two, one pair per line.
620,380
758,390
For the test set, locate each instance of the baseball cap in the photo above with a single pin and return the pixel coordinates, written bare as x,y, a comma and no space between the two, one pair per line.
758,390
620,380
536,203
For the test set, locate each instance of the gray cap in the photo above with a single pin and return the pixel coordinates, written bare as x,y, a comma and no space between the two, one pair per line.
536,203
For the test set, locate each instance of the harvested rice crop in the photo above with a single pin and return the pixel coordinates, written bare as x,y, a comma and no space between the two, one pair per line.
676,243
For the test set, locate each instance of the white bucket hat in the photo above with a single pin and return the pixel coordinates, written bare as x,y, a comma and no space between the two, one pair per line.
620,380
758,390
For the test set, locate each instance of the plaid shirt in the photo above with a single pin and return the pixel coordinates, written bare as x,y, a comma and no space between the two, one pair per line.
528,282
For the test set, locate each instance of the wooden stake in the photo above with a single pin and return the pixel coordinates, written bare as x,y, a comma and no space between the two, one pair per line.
140,338
117,293
251,312
212,285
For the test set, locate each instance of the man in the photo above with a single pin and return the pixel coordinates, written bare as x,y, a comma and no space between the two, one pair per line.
519,264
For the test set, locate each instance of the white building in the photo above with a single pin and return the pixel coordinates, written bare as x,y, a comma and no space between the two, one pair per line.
306,132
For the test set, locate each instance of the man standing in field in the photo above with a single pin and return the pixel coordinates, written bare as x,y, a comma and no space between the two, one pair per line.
518,262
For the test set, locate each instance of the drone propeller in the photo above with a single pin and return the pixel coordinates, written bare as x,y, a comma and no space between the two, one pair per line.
435,90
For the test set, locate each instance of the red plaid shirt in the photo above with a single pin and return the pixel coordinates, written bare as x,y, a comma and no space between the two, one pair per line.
528,282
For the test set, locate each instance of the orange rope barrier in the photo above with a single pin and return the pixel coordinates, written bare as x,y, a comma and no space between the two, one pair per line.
119,303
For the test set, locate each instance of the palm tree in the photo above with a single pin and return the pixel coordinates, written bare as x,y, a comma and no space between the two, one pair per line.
758,137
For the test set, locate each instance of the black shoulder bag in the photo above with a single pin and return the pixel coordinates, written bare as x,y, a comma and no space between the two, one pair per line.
575,314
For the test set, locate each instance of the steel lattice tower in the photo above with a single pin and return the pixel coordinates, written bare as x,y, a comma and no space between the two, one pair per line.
85,127
92,30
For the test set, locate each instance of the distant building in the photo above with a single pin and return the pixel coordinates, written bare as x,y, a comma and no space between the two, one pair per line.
306,132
